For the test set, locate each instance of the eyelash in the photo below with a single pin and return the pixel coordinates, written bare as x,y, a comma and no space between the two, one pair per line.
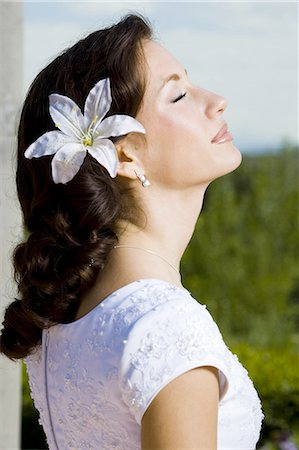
179,98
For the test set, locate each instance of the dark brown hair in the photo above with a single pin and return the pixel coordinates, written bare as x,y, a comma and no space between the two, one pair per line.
69,225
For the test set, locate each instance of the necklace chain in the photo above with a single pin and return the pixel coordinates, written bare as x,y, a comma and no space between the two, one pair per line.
150,251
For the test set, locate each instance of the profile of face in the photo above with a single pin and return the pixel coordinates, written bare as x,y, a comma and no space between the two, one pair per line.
181,120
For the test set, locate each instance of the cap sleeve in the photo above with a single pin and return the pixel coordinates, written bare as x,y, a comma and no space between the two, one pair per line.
166,341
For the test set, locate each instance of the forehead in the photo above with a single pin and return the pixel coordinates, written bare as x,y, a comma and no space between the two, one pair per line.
160,62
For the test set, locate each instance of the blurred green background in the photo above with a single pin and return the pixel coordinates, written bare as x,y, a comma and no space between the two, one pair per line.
242,262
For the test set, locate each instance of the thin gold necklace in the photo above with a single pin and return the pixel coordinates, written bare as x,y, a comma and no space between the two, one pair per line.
150,251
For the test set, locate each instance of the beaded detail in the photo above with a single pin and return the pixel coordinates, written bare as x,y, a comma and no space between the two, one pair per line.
105,368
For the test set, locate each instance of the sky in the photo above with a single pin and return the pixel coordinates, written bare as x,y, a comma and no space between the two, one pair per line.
244,51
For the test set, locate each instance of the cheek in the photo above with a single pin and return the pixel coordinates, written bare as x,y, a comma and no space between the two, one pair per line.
184,134
178,121
179,129
176,143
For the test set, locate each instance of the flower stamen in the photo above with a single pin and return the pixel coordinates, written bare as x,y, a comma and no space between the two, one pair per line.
90,128
87,140
78,125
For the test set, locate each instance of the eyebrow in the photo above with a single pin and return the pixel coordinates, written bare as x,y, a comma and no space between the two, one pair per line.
173,76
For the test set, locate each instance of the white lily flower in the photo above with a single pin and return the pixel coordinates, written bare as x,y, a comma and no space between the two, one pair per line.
80,133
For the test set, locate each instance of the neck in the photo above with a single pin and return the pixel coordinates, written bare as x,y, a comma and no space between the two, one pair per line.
171,221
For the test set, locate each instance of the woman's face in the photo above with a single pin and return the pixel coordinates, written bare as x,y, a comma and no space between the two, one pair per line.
179,134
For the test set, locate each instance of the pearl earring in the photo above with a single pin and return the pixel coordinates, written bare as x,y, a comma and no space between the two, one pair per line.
145,182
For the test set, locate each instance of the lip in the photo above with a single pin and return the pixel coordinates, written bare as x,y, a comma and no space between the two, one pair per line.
223,135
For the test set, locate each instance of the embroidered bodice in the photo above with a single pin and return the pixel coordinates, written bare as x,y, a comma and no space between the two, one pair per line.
92,380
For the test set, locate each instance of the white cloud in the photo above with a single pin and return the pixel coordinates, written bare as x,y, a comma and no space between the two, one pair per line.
43,42
107,8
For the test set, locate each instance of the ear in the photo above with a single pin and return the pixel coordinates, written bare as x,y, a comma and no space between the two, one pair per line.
128,149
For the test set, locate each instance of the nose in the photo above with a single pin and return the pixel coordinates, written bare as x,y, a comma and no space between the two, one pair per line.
216,104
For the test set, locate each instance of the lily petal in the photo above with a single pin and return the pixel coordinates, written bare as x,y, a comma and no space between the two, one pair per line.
106,154
47,144
67,115
98,102
119,124
67,162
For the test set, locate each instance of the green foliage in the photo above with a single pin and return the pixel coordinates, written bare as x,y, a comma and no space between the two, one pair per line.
275,375
243,256
33,436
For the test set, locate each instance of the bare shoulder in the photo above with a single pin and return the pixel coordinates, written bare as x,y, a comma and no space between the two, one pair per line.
183,415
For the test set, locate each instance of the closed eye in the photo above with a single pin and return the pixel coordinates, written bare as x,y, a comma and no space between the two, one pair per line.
179,98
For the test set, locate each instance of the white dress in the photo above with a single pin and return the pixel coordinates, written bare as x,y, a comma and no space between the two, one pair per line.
92,379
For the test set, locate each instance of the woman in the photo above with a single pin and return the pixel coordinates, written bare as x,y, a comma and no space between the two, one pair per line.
118,352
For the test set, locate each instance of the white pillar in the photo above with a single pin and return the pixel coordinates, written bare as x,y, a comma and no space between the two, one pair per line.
11,79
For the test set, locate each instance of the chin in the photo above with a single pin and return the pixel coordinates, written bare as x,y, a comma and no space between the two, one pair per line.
228,159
